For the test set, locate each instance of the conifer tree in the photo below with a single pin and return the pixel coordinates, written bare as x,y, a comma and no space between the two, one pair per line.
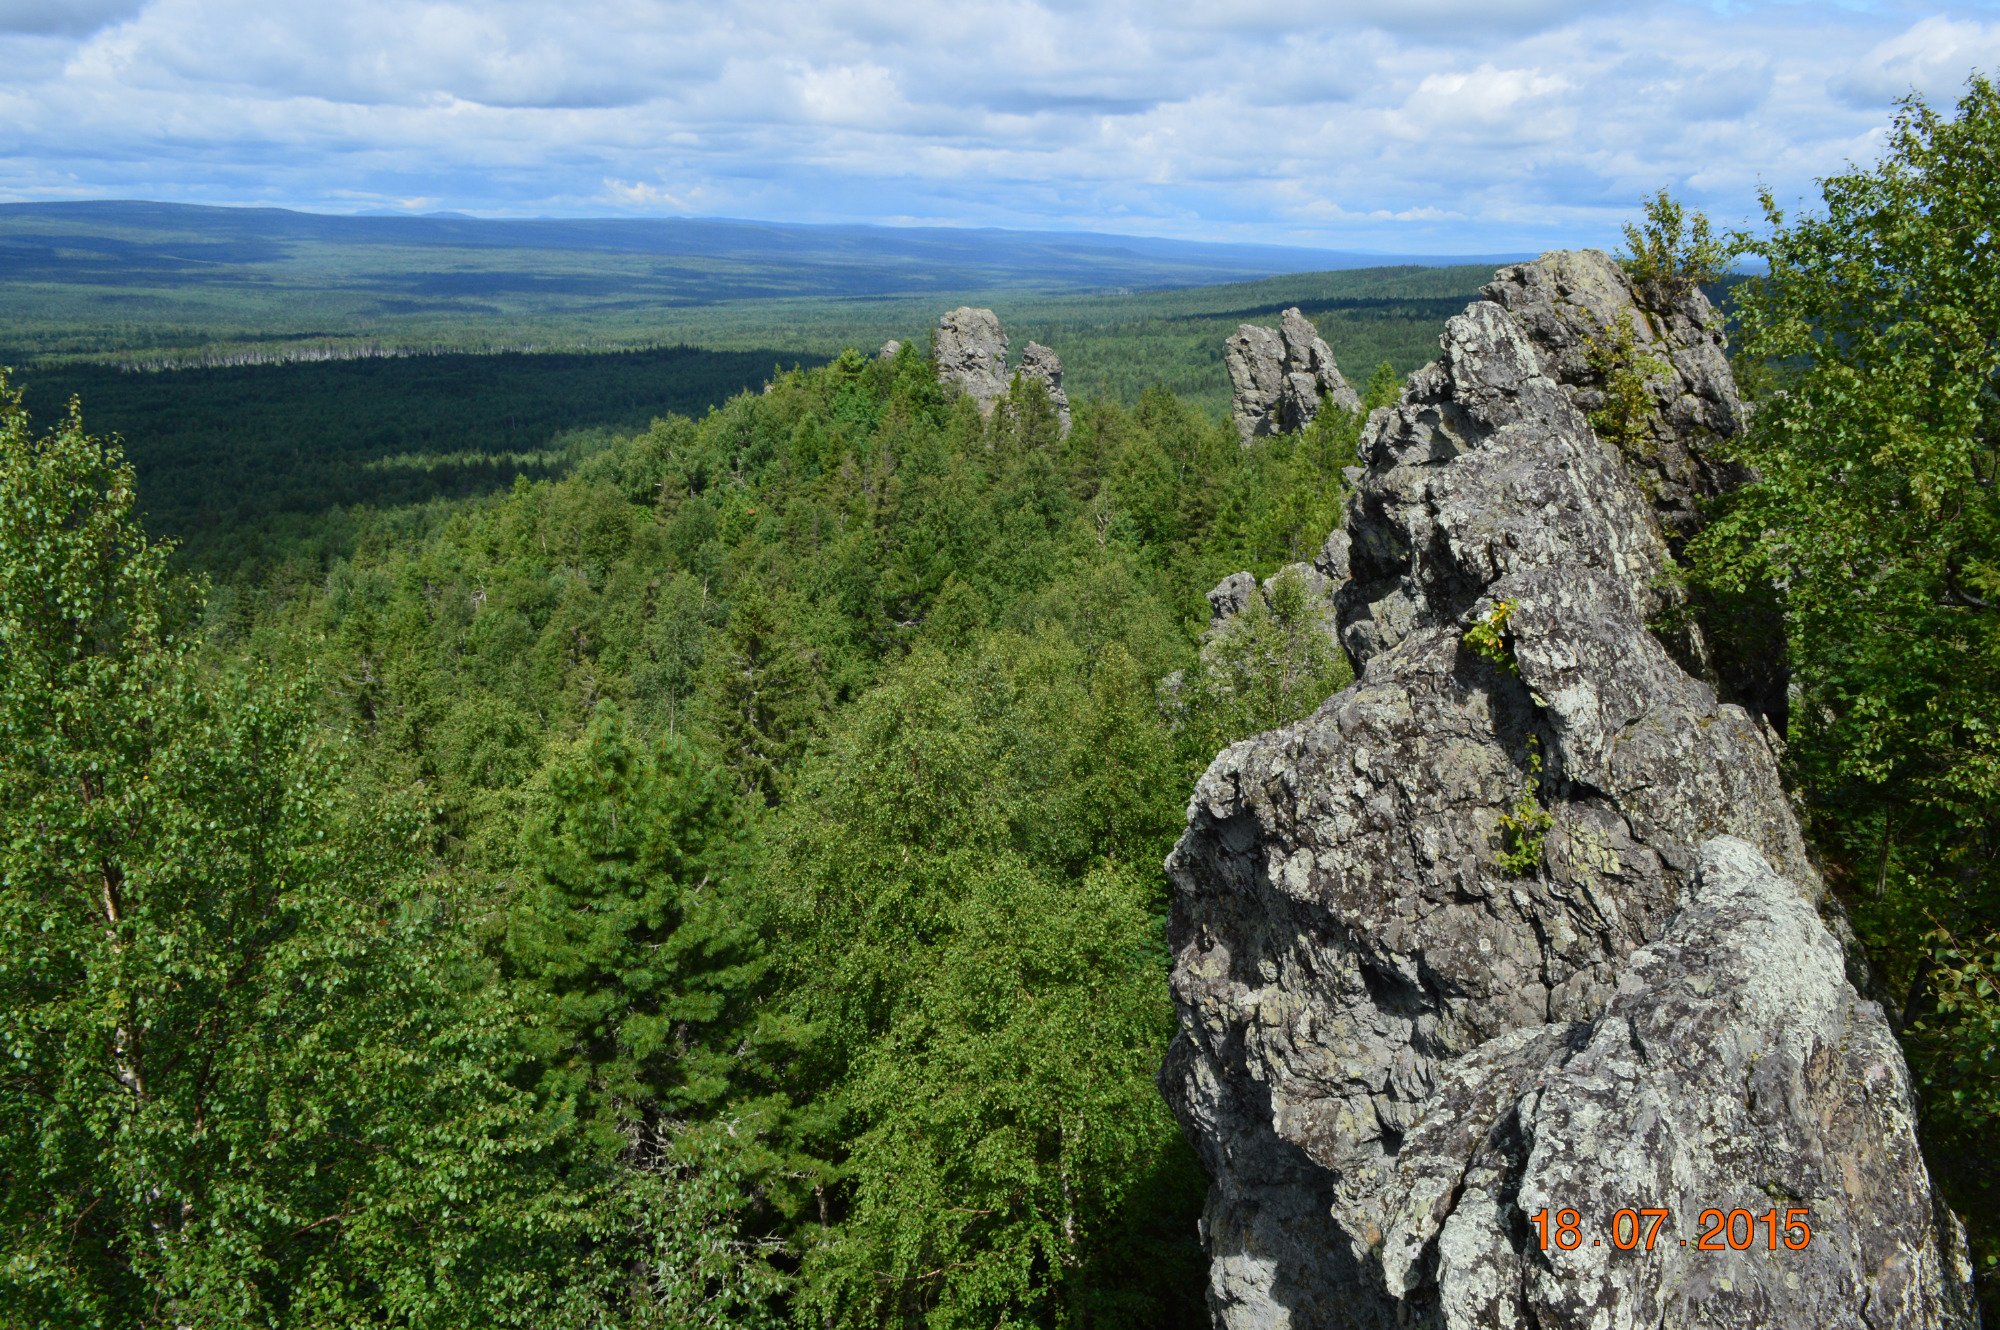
766,692
628,932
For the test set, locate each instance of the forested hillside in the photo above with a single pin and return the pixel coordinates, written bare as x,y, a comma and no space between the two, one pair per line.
772,811
265,473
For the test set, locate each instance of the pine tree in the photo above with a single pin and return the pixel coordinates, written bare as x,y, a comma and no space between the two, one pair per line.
628,931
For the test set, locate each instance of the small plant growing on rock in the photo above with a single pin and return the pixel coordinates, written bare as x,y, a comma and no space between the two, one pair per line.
1623,370
1489,639
1524,826
1675,248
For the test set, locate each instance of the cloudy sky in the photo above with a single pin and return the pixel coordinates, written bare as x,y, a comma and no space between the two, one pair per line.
1401,125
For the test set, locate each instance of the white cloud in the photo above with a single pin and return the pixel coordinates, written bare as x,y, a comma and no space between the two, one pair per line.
1931,59
650,198
1495,107
1394,124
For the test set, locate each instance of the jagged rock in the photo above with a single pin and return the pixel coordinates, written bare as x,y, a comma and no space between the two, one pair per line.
1278,377
1333,558
972,353
1229,598
1569,303
1255,357
1393,1050
1733,1068
1040,363
1310,371
889,350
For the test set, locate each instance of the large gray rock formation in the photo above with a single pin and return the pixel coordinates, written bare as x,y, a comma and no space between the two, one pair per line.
971,350
1278,376
972,353
1530,928
1569,302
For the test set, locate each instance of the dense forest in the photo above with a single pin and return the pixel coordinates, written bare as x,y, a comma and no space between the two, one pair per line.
265,473
714,877
739,857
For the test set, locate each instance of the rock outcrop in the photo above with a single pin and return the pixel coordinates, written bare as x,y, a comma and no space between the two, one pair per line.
1278,376
971,352
1570,304
1321,580
1042,365
1523,922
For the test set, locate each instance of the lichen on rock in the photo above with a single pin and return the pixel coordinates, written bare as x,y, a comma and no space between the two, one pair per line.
1393,1051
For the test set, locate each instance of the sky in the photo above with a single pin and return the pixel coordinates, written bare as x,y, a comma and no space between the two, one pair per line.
1404,126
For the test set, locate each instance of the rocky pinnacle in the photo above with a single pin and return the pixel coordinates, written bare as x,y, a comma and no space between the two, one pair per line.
971,352
1277,376
1516,939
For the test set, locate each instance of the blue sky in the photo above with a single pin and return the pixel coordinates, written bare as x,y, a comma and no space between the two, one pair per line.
1441,126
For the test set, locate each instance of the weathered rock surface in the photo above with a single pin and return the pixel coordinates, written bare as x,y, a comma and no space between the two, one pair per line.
1044,366
972,353
1393,1052
971,350
1277,376
1229,598
1570,302
888,349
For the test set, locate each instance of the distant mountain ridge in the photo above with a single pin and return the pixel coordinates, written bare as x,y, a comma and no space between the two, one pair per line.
96,241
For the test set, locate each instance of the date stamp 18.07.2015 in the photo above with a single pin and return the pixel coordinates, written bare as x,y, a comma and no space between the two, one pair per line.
1639,1229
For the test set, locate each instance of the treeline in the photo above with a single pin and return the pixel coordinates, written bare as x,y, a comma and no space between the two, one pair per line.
717,886
267,472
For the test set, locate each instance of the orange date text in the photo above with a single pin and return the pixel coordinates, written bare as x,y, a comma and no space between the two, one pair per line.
1640,1229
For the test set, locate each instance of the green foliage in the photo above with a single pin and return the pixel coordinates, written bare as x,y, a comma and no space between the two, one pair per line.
898,1069
1675,248
973,867
1489,639
927,648
1383,387
1962,1030
627,931
267,473
248,1079
767,691
1876,510
1623,371
1524,826
1272,664
684,1197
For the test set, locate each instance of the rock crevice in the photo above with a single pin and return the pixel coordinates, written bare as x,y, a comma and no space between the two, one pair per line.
1395,1048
